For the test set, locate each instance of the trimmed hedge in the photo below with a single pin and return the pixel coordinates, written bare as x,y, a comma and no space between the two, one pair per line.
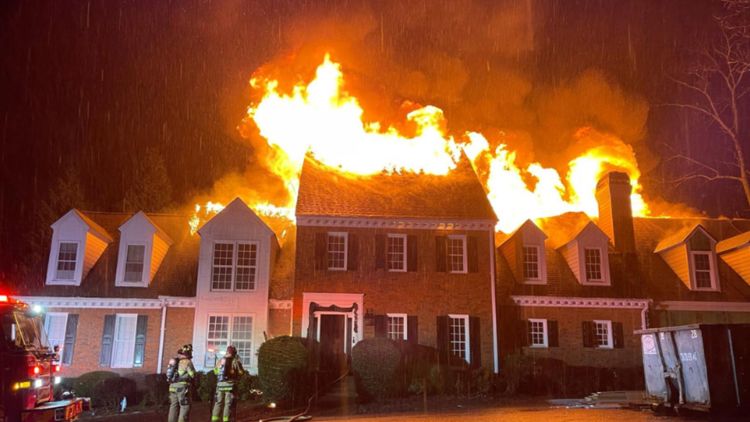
284,371
106,389
376,362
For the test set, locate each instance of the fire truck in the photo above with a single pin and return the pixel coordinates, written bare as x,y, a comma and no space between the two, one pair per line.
30,369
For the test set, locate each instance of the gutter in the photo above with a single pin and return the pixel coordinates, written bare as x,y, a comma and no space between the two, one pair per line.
495,357
161,336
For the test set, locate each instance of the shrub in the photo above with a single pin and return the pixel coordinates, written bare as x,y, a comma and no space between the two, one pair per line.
247,387
375,362
156,389
284,370
110,391
206,383
86,384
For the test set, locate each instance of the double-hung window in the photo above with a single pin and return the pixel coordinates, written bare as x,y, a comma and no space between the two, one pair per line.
226,330
603,334
67,257
123,345
54,325
456,249
593,265
702,270
337,251
397,326
531,263
134,263
538,336
396,252
234,266
458,332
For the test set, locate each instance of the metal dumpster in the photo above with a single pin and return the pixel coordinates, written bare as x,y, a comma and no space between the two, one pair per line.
699,366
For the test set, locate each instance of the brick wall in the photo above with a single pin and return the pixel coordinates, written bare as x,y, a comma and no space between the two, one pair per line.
178,331
425,293
278,322
571,349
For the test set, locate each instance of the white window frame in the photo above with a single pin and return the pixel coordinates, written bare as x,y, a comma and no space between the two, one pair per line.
235,254
712,271
599,281
230,331
539,265
345,235
50,338
76,270
467,333
387,253
125,263
610,341
449,263
130,347
404,318
545,333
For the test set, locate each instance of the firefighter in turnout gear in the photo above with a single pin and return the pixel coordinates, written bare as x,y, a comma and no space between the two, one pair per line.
228,371
180,375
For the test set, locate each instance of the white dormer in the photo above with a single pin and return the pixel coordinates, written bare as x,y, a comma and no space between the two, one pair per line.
587,255
524,250
142,248
691,253
77,243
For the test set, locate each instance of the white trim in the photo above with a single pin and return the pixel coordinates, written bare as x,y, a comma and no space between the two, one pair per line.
467,334
343,300
495,354
52,279
230,331
279,304
162,329
540,265
587,302
545,334
109,302
64,330
685,305
235,258
610,340
463,239
404,254
345,235
122,260
711,269
127,363
604,281
405,318
395,223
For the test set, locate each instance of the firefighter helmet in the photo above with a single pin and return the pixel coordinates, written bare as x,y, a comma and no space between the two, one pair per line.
231,350
186,350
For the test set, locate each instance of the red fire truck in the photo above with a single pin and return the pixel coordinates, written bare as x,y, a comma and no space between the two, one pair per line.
29,369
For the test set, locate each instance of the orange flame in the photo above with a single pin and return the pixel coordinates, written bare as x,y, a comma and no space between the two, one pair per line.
323,119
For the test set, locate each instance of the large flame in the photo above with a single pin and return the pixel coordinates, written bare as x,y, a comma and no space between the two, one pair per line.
325,120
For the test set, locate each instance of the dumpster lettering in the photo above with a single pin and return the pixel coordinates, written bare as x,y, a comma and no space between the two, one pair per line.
688,356
649,345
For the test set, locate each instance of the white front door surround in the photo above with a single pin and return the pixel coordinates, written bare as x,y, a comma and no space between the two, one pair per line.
341,300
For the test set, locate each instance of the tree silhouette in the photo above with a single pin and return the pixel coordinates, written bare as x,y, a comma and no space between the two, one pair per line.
151,188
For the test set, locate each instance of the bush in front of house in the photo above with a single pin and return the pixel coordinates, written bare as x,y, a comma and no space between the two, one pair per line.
86,385
106,389
284,371
156,389
205,385
375,362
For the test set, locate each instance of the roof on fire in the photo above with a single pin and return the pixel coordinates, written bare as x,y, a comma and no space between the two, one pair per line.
325,191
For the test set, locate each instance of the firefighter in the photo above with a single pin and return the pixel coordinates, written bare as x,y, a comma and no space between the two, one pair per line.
228,371
180,375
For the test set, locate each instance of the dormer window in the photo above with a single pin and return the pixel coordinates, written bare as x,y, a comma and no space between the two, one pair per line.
593,265
531,264
702,262
691,253
67,258
134,263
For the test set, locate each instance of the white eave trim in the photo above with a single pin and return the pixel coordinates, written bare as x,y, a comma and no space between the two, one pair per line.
581,302
680,305
108,302
395,223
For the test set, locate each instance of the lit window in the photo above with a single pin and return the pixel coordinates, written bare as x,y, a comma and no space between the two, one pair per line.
396,252
247,258
225,330
217,338
593,262
456,254
603,334
242,337
66,261
458,327
531,263
702,271
337,251
397,326
134,263
221,278
538,333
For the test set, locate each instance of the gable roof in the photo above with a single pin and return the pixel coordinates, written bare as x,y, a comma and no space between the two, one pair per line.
238,206
733,242
142,215
325,191
564,228
680,236
500,239
93,226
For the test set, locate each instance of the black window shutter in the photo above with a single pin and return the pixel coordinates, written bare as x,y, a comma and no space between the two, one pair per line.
471,251
379,251
440,254
588,333
108,334
140,341
70,339
412,329
321,251
411,253
352,254
381,326
617,335
553,338
314,329
475,340
443,339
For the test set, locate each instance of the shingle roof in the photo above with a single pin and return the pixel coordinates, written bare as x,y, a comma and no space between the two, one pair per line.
176,275
325,191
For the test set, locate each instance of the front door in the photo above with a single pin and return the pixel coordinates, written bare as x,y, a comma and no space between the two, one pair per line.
333,343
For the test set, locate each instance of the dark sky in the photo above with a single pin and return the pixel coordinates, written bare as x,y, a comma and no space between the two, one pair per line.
91,84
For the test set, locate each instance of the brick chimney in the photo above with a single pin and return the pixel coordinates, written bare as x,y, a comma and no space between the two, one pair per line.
615,212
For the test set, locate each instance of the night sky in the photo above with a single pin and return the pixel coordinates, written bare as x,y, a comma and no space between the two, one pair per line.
89,86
